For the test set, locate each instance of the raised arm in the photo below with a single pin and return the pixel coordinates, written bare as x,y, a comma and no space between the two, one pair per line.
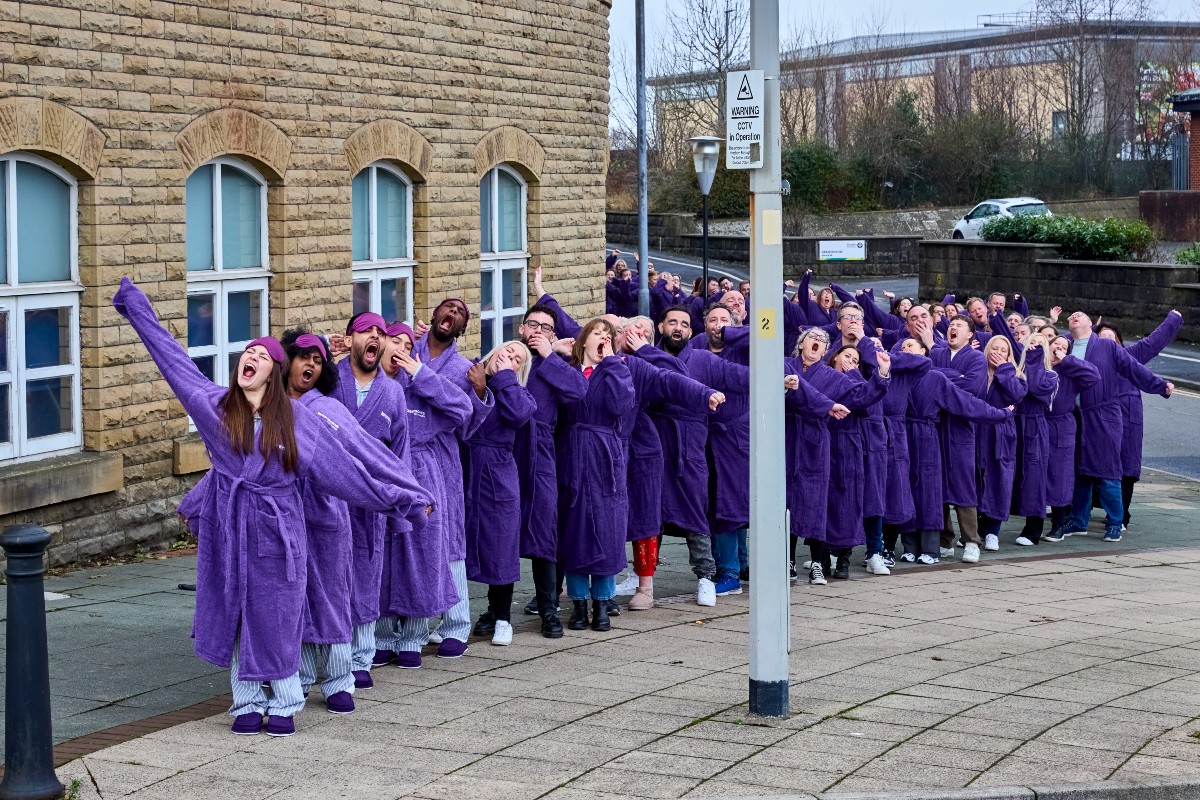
613,381
1138,375
1082,374
445,398
1012,386
568,382
565,327
1021,305
1041,382
514,403
955,401
1145,349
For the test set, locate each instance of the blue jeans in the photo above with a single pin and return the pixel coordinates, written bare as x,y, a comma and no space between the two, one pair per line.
598,587
873,527
1110,501
743,535
725,553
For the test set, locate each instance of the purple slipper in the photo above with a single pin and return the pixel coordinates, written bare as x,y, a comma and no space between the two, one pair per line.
383,658
247,724
451,648
340,703
409,659
280,726
362,679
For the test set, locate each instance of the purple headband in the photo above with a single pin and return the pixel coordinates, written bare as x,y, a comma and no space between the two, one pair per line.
366,321
397,328
273,347
306,340
466,308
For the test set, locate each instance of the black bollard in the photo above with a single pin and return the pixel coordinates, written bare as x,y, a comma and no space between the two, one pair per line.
28,740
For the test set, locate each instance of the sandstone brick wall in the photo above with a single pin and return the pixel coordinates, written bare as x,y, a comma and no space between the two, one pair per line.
132,95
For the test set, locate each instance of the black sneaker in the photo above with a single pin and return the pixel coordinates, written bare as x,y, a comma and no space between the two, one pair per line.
889,558
614,608
744,575
841,568
792,572
486,626
551,627
531,607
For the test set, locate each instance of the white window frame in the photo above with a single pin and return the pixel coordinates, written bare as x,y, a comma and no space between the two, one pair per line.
218,234
496,261
221,349
374,270
15,299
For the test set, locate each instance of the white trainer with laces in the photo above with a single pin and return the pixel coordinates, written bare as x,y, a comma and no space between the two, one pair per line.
706,592
991,542
816,574
503,635
947,552
926,559
970,553
1025,541
629,585
875,565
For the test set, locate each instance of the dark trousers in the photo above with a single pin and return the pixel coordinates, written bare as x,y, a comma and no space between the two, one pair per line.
891,535
1033,528
923,543
547,582
500,601
1127,495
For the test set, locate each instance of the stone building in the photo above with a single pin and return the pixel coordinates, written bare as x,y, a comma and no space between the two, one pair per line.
254,165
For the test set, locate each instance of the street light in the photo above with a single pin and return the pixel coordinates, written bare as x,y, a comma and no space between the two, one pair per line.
705,152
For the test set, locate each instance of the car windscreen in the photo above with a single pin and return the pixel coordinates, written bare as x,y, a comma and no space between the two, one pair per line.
1028,210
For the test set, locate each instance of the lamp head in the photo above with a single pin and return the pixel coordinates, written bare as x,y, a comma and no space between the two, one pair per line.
706,150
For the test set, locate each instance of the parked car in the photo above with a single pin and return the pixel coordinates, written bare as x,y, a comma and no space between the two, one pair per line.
968,227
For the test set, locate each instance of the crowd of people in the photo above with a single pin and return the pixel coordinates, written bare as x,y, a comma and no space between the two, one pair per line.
360,480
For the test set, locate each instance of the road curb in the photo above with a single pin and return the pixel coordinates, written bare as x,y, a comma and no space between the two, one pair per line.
1167,789
1182,383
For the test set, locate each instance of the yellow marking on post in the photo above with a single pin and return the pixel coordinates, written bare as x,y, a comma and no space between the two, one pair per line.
772,233
766,323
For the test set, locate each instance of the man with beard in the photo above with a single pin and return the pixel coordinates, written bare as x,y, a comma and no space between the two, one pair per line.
723,334
437,351
379,407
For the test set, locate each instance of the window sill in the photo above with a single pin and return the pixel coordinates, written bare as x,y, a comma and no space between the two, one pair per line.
36,484
190,455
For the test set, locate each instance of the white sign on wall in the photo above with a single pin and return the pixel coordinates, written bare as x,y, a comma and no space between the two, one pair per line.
842,250
744,119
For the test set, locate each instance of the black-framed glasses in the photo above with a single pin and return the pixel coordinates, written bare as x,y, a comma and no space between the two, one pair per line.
544,327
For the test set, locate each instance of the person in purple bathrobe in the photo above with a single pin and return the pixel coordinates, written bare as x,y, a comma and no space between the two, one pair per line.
1030,497
823,310
967,367
553,384
1074,376
996,445
379,406
493,488
1143,351
933,397
438,351
417,583
593,499
1101,425
328,631
249,515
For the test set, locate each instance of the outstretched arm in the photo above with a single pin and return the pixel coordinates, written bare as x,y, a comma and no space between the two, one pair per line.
1144,350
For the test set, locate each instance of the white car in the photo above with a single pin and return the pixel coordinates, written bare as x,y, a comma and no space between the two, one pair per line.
968,227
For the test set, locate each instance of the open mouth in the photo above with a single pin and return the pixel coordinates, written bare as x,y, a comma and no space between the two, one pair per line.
446,324
307,375
249,370
371,352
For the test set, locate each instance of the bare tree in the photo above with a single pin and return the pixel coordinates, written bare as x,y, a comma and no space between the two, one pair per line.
803,81
1163,70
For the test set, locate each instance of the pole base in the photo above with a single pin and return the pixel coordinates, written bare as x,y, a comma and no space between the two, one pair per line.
46,787
769,698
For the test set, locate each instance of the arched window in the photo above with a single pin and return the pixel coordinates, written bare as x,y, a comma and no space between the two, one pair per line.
503,257
39,309
381,216
227,263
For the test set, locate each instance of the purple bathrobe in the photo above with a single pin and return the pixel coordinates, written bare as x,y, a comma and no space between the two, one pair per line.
657,379
249,516
445,445
1100,407
683,430
1074,376
847,473
1030,488
907,371
996,445
968,370
384,415
593,500
416,580
873,430
493,488
327,518
553,382
813,312
806,437
1143,351
933,397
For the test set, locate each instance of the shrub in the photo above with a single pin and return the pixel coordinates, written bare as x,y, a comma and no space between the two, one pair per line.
1077,238
1189,255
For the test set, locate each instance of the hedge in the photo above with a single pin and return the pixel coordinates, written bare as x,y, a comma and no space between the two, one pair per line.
1077,238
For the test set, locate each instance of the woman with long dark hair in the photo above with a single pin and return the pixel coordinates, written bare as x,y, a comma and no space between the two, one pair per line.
249,517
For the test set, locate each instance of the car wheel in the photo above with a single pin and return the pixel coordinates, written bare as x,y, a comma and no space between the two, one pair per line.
957,235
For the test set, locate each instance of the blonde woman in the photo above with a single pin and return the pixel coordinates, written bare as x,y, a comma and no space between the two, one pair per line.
493,488
1031,489
996,445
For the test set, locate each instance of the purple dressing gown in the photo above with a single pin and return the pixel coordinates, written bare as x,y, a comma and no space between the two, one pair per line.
1074,376
553,382
996,445
1142,351
968,370
416,580
1100,407
907,370
729,444
935,396
847,473
493,488
873,430
249,516
806,435
593,500
1030,496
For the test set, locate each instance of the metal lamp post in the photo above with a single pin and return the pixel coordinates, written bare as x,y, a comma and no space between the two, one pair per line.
706,150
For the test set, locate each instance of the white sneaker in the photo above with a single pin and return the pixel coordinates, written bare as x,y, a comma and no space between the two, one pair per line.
875,565
629,585
947,552
908,558
503,634
706,592
1024,541
1124,528
970,553
991,542
925,559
